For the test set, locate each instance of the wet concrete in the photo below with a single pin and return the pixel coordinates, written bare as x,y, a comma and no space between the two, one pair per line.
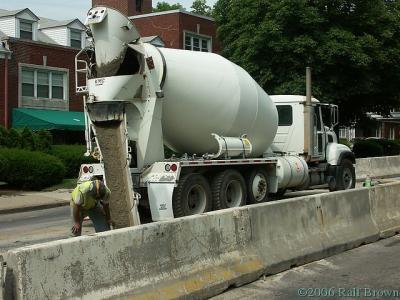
112,140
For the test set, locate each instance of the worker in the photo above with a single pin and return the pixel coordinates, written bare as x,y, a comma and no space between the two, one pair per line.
90,198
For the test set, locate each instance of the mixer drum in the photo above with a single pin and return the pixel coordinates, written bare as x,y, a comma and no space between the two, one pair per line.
203,94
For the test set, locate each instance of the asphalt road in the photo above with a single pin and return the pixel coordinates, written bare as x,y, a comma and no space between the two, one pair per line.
27,228
369,272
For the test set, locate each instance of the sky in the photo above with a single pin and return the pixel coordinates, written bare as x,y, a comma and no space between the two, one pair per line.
70,9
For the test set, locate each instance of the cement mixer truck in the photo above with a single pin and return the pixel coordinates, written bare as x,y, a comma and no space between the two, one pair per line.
237,145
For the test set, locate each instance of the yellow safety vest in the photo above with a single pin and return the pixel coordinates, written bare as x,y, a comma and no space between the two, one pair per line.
88,201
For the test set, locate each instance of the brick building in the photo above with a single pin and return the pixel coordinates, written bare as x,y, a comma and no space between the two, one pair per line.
178,29
37,61
37,55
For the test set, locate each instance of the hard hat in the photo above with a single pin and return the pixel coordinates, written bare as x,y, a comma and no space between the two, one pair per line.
98,188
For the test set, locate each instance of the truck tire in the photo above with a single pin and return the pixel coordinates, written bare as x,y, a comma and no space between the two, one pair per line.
228,190
346,176
257,186
192,196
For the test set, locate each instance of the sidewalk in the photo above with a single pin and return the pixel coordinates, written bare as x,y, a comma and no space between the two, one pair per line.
21,201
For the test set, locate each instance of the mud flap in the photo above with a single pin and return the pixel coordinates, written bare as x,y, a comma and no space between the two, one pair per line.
160,198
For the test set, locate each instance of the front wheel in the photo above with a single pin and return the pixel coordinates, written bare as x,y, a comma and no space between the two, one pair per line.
192,196
257,186
346,176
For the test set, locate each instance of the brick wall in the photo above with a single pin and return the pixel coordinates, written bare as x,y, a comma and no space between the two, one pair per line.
127,7
166,26
206,27
170,28
32,53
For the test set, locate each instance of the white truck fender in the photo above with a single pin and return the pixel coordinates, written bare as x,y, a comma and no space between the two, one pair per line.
336,152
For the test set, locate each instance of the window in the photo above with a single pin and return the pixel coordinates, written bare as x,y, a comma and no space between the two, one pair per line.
43,84
43,90
197,43
57,85
139,5
392,133
25,30
28,83
285,114
76,39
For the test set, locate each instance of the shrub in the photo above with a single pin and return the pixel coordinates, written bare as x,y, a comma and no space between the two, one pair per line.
43,140
367,148
3,165
31,170
27,139
3,137
13,139
389,147
72,158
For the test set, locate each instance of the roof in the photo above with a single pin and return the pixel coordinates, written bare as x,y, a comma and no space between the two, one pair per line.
2,35
9,13
50,23
4,50
289,98
44,23
48,119
154,39
181,10
44,38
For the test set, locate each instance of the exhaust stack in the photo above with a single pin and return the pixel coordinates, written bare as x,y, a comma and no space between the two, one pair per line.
308,119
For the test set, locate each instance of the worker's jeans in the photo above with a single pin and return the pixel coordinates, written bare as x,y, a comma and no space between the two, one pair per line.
97,217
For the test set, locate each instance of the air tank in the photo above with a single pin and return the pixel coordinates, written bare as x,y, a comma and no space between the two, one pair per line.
203,93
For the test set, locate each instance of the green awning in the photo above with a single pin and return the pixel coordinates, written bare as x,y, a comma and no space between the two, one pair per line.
48,119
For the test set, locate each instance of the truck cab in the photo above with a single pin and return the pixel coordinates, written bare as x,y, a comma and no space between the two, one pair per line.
329,161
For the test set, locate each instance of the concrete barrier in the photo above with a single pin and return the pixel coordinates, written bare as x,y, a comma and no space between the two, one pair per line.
200,256
385,203
195,255
297,231
377,167
2,275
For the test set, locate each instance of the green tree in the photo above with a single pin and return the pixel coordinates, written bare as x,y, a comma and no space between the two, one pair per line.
164,6
353,47
200,7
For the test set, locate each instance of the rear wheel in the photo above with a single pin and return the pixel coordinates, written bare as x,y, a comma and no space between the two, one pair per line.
257,186
346,177
228,190
191,196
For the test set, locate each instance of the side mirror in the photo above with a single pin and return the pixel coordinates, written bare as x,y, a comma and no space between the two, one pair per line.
334,115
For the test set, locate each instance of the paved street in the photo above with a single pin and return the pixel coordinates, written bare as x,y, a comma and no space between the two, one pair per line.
363,273
21,229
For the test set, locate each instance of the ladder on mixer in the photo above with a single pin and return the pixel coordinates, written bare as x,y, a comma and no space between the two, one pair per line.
81,89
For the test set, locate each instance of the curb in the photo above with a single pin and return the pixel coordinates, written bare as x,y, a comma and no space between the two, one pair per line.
31,208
